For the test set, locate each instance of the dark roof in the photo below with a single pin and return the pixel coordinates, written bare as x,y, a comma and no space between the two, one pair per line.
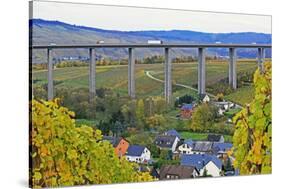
172,132
189,142
154,173
165,141
214,137
187,107
182,171
221,147
202,146
113,140
199,160
135,150
202,96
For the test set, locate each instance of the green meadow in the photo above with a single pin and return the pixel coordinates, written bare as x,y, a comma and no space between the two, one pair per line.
115,77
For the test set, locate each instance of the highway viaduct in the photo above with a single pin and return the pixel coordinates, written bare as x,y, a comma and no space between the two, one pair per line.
232,75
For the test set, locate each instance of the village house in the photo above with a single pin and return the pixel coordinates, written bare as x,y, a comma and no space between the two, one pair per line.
215,138
150,169
204,98
168,172
172,132
167,142
186,147
202,147
203,163
223,106
186,111
221,149
120,144
138,154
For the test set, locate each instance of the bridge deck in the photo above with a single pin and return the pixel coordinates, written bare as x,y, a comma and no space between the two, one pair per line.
145,45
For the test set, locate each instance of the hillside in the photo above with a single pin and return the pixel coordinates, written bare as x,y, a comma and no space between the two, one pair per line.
46,32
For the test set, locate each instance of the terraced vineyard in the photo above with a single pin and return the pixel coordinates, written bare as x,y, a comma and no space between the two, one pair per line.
115,77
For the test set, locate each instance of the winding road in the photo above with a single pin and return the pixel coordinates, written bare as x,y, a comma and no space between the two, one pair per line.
148,74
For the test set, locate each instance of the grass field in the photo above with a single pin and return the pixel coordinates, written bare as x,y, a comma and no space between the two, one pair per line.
115,77
201,136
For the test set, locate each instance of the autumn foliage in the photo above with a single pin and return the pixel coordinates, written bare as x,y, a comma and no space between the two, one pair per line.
65,155
252,137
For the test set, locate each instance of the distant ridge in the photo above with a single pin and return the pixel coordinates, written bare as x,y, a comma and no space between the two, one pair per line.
50,31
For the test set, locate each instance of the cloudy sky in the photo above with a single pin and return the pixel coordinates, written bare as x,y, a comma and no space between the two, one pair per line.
132,19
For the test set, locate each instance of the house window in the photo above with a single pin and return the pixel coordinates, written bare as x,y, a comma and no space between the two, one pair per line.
167,176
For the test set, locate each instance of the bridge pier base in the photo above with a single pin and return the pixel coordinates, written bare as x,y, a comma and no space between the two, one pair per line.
232,75
261,57
201,71
168,76
50,74
131,74
92,75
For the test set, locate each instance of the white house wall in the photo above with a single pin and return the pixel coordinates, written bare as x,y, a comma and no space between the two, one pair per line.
212,169
146,155
183,148
175,144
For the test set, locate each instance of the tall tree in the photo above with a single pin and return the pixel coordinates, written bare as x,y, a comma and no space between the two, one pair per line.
156,122
252,137
203,117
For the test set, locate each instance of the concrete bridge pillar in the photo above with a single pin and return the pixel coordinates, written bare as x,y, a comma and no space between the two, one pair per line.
131,74
168,76
50,75
92,75
232,75
261,57
201,71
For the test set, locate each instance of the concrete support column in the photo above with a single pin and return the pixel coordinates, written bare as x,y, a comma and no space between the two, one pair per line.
50,75
131,74
92,75
232,75
201,71
261,57
168,76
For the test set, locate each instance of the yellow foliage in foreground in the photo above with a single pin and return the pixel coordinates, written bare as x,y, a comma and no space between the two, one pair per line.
66,155
253,134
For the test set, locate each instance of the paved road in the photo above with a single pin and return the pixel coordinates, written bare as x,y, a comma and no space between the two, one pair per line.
148,74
